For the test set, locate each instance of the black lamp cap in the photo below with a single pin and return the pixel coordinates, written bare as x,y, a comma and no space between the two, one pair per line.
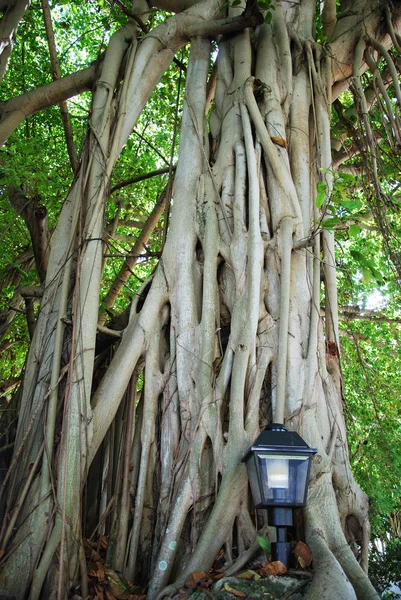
276,438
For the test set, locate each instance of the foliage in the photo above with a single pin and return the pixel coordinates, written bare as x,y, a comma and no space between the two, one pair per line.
264,544
35,160
385,568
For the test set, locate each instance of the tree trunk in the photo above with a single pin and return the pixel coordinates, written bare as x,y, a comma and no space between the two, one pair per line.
227,332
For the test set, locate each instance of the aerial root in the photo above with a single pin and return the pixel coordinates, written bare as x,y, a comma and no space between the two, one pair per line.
336,567
247,555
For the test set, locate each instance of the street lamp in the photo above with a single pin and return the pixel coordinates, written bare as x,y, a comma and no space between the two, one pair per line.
278,466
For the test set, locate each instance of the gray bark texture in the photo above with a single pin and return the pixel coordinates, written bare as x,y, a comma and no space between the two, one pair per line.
227,334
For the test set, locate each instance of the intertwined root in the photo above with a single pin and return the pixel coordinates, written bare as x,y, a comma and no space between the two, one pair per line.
228,328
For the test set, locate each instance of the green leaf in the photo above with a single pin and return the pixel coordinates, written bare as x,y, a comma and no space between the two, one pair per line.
236,2
373,269
352,204
268,18
358,256
330,223
368,269
321,193
366,275
354,230
264,544
377,275
348,177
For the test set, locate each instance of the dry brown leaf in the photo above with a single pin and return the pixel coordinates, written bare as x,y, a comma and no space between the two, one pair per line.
1,553
231,590
95,556
119,586
100,570
279,141
104,542
198,575
249,574
92,570
99,592
304,554
274,568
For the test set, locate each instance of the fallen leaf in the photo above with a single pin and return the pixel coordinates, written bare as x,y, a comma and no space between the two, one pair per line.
304,554
92,570
99,592
274,568
104,542
199,579
95,556
279,141
100,570
198,575
237,593
119,586
1,553
249,574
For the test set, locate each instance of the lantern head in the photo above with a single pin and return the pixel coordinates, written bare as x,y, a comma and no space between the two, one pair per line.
278,466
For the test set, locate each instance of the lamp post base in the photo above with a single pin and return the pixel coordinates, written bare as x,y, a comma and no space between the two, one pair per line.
281,518
281,551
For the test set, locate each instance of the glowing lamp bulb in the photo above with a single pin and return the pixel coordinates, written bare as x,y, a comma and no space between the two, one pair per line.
278,473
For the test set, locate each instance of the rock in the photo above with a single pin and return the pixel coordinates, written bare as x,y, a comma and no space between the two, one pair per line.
271,588
6,595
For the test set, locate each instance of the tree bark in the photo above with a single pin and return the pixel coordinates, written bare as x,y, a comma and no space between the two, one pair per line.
35,217
226,331
13,12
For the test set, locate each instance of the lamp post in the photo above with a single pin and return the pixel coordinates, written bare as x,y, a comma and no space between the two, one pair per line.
278,466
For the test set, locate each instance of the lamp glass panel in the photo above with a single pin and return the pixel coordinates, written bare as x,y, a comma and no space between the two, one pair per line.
283,479
277,470
253,479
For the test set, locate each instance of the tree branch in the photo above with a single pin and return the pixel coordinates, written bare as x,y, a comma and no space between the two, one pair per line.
132,257
363,18
329,18
57,75
35,217
139,178
130,14
174,6
13,13
223,26
356,313
15,110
